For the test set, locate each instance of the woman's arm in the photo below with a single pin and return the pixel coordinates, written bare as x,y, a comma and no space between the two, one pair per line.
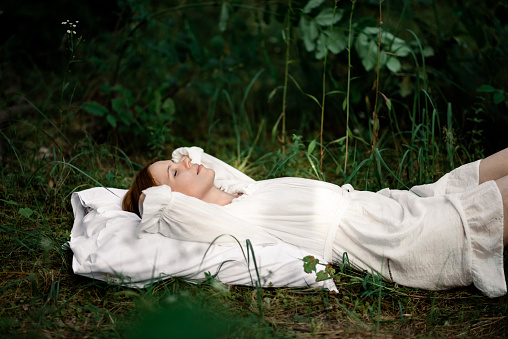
181,217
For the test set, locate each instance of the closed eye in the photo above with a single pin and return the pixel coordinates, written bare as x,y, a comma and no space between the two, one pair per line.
175,173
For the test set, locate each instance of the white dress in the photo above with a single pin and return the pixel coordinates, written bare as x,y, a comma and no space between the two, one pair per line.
435,236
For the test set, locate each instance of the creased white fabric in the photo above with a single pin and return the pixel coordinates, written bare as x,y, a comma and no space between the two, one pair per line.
106,246
431,242
448,235
181,217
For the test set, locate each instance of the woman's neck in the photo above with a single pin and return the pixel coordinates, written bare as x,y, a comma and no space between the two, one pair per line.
219,197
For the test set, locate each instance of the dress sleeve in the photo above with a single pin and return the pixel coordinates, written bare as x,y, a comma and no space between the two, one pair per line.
178,216
225,174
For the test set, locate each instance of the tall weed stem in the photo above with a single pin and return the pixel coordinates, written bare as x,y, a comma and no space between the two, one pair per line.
286,73
322,114
348,81
375,119
321,154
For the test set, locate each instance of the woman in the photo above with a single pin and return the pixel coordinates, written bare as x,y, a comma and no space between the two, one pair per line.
437,236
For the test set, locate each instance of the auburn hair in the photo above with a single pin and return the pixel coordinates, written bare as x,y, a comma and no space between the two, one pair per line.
142,181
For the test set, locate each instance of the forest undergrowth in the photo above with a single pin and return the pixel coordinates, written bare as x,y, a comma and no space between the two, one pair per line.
274,90
41,297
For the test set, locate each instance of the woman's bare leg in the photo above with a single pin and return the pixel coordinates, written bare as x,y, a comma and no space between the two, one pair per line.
502,183
494,166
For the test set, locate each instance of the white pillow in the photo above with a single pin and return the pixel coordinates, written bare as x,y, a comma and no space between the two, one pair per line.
106,246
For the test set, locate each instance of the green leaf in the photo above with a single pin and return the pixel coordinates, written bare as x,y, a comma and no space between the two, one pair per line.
366,48
371,31
111,119
26,212
486,88
10,202
366,45
321,47
311,147
311,5
327,17
336,40
117,105
336,92
305,29
224,17
399,47
169,106
330,270
95,108
117,88
300,89
393,64
498,97
309,263
273,92
128,99
322,275
313,29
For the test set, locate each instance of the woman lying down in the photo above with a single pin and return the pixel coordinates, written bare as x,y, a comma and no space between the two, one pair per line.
447,234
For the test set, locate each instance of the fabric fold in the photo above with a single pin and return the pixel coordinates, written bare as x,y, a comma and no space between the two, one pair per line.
106,247
485,225
182,217
156,200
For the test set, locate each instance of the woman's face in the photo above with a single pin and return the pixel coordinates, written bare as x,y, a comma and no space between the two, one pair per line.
190,179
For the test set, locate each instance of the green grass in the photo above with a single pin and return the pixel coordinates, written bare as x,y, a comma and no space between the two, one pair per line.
41,297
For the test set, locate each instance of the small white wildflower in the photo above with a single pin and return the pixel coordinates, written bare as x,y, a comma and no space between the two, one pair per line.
69,31
77,21
73,25
63,22
73,32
